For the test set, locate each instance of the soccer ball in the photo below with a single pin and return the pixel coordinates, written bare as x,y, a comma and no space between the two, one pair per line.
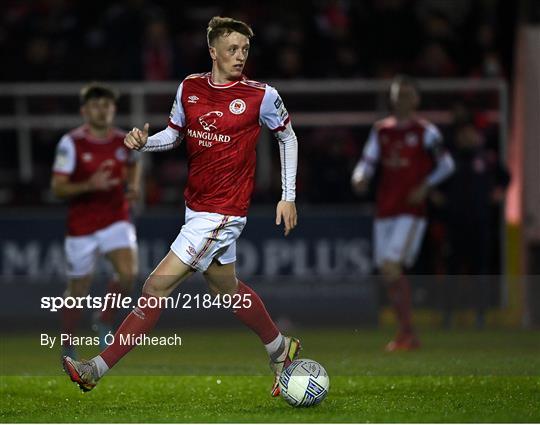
304,383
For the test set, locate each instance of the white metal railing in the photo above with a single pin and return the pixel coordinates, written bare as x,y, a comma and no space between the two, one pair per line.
23,122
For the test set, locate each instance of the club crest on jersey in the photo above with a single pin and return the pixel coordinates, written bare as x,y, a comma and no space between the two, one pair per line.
120,154
411,139
87,157
208,121
237,106
192,99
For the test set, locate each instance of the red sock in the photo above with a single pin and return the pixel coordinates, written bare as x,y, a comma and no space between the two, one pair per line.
255,317
399,293
108,315
139,322
70,320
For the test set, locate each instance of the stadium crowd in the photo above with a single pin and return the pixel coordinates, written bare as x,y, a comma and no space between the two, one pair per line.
138,40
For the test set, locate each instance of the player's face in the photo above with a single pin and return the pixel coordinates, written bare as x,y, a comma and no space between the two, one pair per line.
99,112
404,98
230,54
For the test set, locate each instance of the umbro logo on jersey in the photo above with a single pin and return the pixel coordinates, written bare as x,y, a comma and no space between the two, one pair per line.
192,99
86,157
237,106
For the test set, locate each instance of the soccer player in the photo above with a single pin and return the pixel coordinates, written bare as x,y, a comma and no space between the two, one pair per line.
412,159
98,176
219,114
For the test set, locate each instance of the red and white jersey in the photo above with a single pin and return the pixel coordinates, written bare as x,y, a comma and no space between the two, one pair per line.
221,124
79,155
405,154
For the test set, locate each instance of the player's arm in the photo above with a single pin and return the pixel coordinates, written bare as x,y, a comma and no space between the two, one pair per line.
444,165
274,115
365,167
134,174
64,165
167,139
63,188
288,154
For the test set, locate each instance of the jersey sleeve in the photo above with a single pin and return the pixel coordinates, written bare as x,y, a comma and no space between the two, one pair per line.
166,139
65,159
444,163
177,117
371,149
433,140
273,113
288,155
365,167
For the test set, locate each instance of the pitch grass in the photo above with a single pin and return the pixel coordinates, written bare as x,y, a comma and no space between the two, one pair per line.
222,376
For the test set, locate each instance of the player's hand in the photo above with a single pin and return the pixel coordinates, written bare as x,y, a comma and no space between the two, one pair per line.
360,187
286,210
418,195
136,139
101,179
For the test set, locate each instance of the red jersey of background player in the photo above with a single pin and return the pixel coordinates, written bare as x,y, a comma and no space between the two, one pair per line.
405,153
79,155
221,124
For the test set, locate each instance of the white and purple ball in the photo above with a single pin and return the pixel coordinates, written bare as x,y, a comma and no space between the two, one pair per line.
304,383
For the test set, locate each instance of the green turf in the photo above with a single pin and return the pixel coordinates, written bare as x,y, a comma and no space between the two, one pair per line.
455,377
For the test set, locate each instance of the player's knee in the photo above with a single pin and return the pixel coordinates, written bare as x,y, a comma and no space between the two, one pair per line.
156,286
127,275
77,289
390,271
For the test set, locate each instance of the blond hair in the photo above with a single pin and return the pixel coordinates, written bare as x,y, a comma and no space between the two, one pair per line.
222,26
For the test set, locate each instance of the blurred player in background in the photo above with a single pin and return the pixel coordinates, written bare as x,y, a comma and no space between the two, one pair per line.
220,114
98,176
412,160
469,197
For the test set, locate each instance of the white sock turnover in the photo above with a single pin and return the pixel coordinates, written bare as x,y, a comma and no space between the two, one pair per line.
273,347
101,366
